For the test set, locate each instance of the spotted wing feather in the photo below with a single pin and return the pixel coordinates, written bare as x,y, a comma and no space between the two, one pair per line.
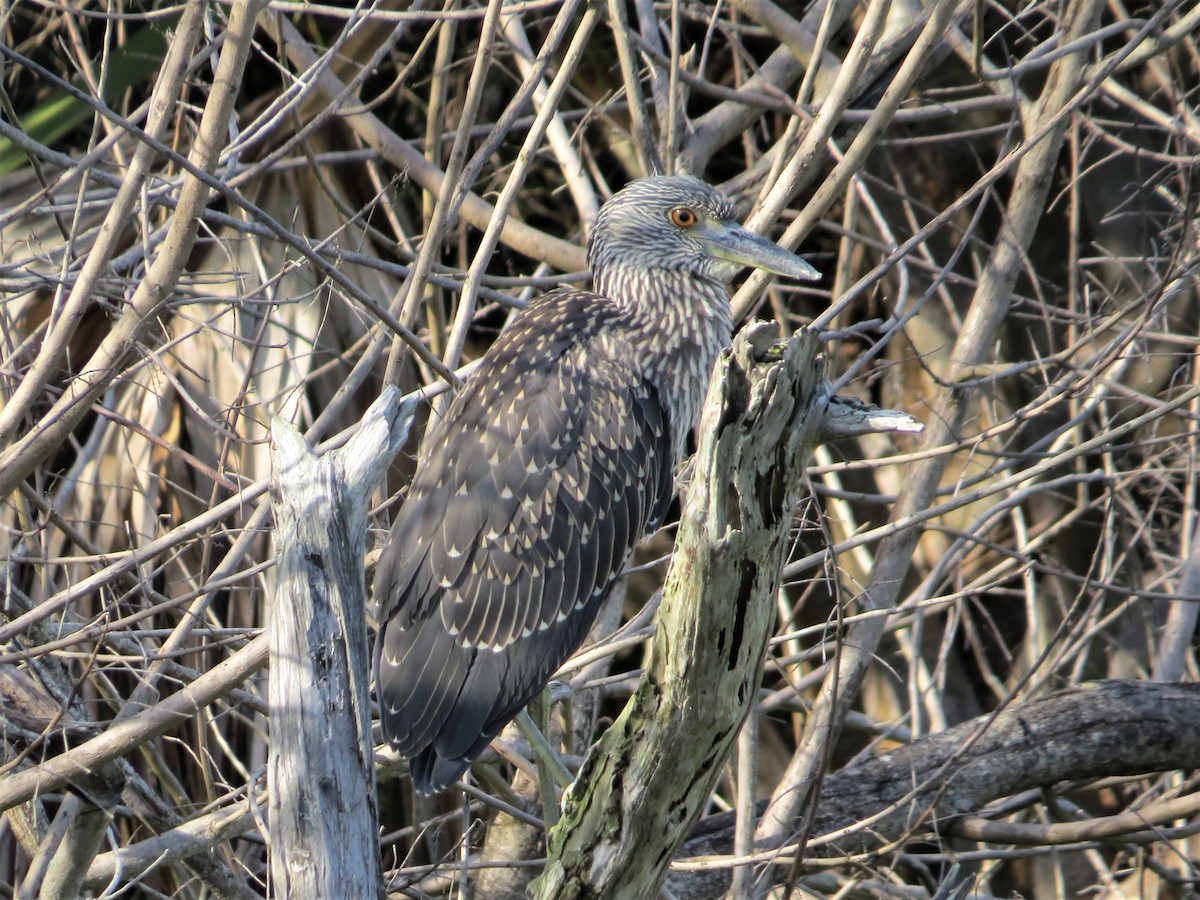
528,499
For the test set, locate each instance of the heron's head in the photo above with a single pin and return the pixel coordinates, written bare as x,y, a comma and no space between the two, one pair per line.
678,223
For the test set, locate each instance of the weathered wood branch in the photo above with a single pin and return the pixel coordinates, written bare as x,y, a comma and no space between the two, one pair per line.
322,814
33,722
646,781
1101,729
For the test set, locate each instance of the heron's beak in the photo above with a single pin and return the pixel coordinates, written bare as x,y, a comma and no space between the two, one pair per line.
732,243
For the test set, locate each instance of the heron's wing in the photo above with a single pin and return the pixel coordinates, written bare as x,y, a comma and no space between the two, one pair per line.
528,498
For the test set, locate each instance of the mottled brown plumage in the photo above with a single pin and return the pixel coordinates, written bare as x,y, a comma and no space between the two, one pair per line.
548,467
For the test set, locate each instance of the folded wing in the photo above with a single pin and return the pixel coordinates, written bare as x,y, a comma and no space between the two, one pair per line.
528,499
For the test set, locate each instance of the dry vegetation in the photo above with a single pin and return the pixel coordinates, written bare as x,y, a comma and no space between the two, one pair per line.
1002,198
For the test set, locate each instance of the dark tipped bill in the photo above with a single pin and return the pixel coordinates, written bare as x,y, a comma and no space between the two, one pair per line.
733,243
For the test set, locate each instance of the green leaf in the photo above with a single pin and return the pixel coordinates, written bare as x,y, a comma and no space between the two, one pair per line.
134,62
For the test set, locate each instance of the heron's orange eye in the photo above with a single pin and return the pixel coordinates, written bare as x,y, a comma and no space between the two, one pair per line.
684,217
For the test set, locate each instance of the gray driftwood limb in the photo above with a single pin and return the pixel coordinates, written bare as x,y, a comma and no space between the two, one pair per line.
322,817
1100,729
648,778
846,417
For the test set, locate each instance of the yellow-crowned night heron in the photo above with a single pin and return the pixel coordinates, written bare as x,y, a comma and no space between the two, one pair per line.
548,467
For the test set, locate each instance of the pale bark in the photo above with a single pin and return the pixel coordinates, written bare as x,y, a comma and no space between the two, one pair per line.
323,823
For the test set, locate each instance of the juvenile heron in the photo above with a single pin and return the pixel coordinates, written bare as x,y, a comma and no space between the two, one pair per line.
552,462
